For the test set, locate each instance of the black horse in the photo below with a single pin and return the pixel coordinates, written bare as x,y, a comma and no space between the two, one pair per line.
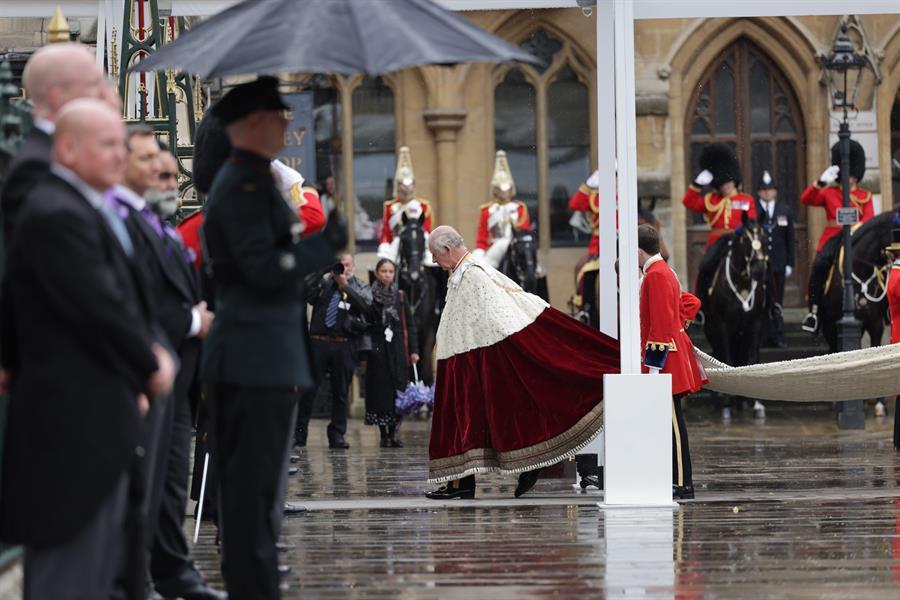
420,285
737,305
870,270
520,263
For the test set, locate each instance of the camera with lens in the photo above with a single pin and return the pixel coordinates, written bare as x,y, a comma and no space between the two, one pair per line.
337,269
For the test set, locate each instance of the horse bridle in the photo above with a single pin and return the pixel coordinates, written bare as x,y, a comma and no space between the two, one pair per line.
756,254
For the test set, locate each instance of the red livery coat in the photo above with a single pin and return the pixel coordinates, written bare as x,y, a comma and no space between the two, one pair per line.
484,239
585,200
831,198
663,313
893,297
722,214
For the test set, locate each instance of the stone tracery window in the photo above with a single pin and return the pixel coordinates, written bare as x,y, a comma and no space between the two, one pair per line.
373,154
543,119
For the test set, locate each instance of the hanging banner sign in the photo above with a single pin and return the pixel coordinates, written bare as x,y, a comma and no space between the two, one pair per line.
299,151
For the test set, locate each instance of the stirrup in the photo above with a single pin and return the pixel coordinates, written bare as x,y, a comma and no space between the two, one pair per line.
810,323
700,318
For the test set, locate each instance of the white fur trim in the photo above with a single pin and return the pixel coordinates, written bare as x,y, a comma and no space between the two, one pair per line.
483,307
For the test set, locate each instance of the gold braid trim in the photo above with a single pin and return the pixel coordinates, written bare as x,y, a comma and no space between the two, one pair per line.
723,205
513,462
659,346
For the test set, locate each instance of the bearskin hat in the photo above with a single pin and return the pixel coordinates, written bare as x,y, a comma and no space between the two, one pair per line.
720,160
857,158
211,150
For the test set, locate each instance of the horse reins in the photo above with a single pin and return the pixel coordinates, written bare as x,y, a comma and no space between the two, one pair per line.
755,249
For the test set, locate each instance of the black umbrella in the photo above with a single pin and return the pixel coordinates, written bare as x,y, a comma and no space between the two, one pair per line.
330,36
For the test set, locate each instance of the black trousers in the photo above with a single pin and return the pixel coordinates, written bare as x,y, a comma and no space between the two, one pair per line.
773,327
170,564
897,423
337,359
708,265
682,473
251,431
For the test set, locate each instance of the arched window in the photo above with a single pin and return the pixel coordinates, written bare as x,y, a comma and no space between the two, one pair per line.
373,155
515,131
743,100
569,138
542,118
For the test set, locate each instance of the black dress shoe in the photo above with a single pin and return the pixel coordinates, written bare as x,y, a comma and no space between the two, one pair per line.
683,492
338,444
591,480
385,443
284,569
199,591
527,481
395,443
295,458
281,546
292,508
458,488
293,470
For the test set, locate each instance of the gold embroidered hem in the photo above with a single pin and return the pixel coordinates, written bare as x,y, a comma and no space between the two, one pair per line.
544,454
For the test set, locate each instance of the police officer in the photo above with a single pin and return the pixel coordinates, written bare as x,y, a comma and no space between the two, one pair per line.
255,362
777,220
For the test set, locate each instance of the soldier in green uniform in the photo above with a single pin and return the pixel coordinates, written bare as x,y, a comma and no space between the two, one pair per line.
256,360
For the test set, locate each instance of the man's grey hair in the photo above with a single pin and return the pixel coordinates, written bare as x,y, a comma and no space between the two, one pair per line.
444,240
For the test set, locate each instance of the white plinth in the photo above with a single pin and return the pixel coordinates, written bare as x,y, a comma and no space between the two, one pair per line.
638,428
639,552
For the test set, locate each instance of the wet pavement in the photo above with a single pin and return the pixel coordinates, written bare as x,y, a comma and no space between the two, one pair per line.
788,507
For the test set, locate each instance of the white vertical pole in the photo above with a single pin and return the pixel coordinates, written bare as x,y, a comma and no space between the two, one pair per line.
606,159
626,146
101,33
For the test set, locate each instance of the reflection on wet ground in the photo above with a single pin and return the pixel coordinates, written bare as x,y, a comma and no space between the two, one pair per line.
786,508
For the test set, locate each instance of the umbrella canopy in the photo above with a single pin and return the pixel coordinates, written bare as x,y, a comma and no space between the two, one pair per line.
330,36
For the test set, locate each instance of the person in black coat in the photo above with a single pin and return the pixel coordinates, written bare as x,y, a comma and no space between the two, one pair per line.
255,361
75,413
339,300
778,222
394,348
54,75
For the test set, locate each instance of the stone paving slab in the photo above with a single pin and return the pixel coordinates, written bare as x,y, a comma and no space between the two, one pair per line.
786,508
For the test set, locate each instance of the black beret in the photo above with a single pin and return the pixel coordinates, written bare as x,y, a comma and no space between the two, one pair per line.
246,98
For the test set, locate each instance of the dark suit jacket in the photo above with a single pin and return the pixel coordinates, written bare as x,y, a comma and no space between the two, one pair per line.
258,263
780,230
357,299
175,292
29,167
82,355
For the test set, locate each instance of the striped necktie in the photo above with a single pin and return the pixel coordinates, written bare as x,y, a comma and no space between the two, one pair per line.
332,310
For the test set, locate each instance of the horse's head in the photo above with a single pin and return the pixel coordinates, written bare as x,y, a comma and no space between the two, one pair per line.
750,250
412,251
523,258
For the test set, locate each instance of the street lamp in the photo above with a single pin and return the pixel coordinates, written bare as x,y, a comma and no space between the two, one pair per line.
842,61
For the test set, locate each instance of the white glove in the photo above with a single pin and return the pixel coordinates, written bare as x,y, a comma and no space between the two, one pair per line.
830,174
653,370
593,181
788,270
704,177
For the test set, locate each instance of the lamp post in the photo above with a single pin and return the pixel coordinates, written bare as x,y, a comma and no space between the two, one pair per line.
844,59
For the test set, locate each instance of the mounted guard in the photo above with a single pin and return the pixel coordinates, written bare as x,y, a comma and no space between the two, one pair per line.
405,202
500,217
724,208
828,193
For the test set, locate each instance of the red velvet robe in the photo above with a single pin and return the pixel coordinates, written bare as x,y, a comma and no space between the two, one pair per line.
526,401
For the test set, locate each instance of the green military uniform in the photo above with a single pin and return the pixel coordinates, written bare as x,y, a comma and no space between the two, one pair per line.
256,359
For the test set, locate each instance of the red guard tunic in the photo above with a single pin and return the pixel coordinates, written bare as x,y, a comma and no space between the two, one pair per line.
485,237
831,198
722,214
585,200
190,235
393,206
663,339
893,297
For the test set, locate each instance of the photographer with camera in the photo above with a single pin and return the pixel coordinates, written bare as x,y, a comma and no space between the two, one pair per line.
339,300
